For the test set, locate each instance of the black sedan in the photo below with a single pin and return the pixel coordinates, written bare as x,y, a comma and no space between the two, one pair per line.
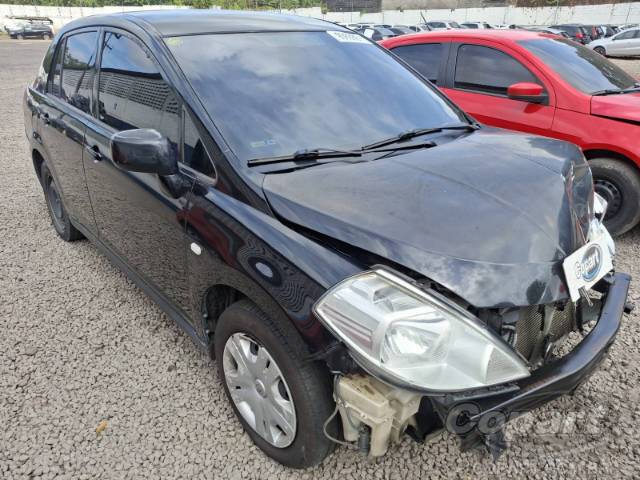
361,258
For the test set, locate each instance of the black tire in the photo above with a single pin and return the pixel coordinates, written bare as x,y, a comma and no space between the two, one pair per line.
57,212
600,50
619,184
309,383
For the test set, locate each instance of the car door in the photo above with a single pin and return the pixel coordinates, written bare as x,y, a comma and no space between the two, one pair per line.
138,214
634,44
478,76
622,43
62,116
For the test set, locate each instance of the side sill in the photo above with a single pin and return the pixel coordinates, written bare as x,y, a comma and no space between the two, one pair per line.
148,289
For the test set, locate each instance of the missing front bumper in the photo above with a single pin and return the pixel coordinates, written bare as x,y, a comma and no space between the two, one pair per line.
380,413
479,416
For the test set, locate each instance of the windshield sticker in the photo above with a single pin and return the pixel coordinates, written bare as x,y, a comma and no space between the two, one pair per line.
346,37
173,41
263,143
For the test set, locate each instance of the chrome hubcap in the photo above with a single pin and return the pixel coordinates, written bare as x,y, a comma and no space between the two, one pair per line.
258,390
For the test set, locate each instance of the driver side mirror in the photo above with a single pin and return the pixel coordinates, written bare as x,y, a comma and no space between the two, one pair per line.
527,92
144,150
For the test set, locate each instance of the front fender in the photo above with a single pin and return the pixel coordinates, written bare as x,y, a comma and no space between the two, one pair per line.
280,270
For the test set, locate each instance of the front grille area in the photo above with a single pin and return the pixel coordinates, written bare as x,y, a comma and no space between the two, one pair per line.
539,326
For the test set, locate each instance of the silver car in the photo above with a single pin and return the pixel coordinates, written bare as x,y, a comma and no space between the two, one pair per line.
623,44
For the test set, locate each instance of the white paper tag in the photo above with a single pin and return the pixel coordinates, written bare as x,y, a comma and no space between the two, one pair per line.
346,37
584,267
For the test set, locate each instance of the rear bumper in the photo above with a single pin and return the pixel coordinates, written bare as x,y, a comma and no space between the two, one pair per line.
480,414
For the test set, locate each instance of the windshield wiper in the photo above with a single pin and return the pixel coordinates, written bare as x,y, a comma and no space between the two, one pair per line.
617,91
306,154
416,132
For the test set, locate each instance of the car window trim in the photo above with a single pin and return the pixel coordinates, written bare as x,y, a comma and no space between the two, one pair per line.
454,57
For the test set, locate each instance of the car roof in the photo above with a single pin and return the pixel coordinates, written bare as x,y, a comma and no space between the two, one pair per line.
488,34
175,22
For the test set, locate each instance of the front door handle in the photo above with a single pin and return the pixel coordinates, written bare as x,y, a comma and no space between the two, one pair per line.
45,118
94,152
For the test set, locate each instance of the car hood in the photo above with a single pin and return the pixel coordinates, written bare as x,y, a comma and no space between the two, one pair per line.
489,216
620,107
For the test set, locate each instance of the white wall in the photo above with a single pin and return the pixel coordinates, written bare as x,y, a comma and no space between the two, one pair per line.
618,13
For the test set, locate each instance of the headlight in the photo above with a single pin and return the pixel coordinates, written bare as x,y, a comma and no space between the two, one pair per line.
414,338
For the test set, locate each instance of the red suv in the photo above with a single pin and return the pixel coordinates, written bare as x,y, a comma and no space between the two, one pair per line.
547,85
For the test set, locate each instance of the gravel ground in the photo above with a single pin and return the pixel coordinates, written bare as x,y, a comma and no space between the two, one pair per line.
82,347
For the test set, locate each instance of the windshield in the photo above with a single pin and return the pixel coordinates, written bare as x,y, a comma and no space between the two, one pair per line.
274,93
579,66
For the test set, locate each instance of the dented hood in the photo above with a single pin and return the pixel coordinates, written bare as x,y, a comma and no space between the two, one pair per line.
620,107
490,216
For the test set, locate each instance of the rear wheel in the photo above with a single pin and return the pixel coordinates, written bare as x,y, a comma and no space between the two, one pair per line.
281,399
619,184
600,50
57,212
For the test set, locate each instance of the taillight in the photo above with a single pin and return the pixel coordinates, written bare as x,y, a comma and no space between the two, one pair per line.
579,35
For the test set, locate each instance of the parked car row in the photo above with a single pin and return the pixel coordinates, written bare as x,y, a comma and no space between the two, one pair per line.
578,32
361,257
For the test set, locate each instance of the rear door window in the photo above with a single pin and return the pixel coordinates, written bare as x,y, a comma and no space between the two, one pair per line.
78,70
487,70
426,58
132,92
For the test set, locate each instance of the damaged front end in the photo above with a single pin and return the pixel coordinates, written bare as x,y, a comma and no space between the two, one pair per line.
427,361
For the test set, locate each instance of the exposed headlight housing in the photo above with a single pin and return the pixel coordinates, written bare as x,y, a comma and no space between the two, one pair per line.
413,338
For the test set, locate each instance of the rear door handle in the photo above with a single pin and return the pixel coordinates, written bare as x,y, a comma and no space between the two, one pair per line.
94,152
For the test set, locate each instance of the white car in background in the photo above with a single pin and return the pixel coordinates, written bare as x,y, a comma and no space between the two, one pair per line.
623,44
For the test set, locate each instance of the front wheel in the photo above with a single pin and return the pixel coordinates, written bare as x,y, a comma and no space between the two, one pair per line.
600,50
281,399
619,184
